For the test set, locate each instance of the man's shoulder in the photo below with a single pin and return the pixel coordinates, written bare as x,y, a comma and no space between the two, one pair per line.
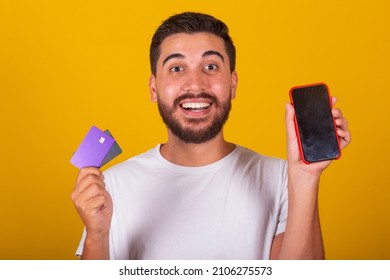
252,162
251,155
137,161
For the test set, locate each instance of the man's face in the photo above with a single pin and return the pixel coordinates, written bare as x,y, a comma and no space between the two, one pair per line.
193,85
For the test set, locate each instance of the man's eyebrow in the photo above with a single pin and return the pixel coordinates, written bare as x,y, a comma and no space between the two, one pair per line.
211,52
205,54
174,55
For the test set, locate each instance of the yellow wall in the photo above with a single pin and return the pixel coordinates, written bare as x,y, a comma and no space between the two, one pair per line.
66,65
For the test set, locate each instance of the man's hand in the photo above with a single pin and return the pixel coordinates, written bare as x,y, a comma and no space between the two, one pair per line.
94,205
302,238
293,155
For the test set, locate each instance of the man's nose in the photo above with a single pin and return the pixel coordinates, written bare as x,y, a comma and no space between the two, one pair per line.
196,81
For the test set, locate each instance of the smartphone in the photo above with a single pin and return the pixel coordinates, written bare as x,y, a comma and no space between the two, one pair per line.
314,123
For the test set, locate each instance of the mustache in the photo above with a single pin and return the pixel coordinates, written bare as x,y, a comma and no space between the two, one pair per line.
190,95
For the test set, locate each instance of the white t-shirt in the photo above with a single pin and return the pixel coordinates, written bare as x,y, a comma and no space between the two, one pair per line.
230,209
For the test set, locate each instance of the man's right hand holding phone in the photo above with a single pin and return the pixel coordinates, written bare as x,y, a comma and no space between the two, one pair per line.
302,238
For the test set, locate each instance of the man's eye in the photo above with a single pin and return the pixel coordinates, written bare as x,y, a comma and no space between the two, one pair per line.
211,67
176,69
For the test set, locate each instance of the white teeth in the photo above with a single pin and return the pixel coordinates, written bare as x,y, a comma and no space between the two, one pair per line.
193,105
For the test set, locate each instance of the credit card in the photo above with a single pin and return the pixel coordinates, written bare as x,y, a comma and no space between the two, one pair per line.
95,149
113,152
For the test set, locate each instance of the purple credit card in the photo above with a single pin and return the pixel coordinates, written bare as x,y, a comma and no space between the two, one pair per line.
93,150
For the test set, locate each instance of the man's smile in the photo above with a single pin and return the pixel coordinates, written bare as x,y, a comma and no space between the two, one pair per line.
195,106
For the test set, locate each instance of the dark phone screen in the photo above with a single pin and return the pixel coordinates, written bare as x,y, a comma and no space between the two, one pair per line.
315,123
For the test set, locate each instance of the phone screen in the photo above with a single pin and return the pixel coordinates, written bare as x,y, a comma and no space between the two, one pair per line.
314,122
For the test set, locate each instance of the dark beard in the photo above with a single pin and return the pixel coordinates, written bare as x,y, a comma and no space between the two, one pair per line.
195,135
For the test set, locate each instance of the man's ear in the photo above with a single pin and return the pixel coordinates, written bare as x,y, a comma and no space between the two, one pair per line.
152,88
234,84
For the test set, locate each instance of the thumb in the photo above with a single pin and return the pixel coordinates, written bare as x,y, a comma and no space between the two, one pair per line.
289,120
291,136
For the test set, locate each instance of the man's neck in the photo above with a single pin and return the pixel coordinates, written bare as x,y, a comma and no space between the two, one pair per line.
193,155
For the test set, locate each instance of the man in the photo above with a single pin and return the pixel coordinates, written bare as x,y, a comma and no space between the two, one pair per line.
198,196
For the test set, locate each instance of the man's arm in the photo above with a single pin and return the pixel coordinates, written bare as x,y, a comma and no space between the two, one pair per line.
302,238
94,206
96,247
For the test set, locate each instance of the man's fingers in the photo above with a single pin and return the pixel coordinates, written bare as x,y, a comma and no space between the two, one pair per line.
87,171
89,184
345,138
93,198
91,190
291,135
334,100
289,119
342,127
341,122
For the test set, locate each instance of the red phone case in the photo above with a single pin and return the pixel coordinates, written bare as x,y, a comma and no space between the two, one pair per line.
296,124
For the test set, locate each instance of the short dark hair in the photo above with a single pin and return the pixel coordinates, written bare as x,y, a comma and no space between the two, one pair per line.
191,22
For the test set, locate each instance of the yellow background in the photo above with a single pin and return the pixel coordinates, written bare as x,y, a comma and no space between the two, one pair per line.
67,65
